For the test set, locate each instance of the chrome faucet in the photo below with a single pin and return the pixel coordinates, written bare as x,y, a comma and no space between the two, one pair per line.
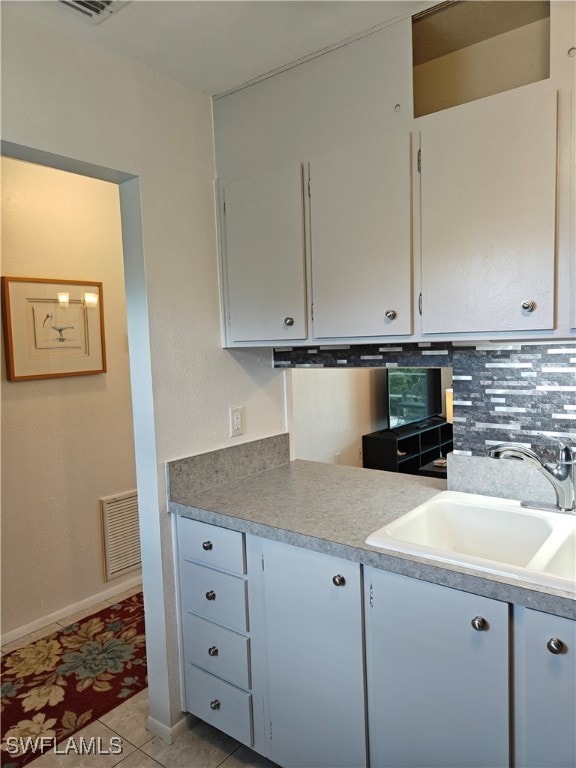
561,473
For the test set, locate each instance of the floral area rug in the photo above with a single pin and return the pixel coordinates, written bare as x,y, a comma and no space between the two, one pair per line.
53,687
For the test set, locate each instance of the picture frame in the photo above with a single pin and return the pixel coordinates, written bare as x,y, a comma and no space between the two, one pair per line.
52,328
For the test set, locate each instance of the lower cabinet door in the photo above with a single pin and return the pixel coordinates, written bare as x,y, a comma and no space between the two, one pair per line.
545,690
313,619
438,675
222,705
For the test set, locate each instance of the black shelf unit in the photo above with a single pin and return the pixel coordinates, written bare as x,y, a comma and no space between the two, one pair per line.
408,449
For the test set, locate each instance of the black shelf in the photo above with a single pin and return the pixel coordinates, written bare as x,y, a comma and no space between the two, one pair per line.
410,449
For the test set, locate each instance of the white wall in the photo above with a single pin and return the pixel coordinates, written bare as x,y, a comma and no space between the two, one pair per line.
332,409
66,442
76,100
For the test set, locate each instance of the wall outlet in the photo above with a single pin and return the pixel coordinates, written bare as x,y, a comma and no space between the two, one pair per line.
236,414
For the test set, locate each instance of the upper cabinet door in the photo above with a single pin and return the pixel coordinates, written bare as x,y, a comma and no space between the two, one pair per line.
360,220
264,256
488,184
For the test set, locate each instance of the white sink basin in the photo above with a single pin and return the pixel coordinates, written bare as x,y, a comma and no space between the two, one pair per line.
483,532
562,562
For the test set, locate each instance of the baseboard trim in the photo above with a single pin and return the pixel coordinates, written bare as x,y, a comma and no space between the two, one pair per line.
170,734
53,618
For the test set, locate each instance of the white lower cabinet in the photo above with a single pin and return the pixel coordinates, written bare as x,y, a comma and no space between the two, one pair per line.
437,672
215,638
272,646
317,662
219,651
314,666
222,705
545,686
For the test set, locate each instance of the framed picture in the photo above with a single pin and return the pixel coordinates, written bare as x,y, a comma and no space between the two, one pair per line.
52,328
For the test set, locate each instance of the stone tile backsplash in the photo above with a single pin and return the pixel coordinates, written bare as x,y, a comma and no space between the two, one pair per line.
519,392
365,356
523,393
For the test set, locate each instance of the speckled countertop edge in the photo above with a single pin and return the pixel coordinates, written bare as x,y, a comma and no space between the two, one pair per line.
331,509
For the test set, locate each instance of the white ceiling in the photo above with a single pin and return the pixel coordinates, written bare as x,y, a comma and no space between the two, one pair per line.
219,45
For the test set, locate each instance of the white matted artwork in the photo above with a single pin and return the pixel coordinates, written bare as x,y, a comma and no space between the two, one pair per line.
52,328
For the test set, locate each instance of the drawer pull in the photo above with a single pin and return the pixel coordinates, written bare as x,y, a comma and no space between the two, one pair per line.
211,595
479,623
207,546
556,646
339,580
213,651
215,704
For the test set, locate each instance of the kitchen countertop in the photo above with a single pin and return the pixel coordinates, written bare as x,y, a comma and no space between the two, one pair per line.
332,508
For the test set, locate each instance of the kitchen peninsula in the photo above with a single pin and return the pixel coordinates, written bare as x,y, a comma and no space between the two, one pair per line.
274,564
332,508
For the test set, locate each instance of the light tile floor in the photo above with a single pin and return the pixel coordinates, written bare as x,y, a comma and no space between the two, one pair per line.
124,728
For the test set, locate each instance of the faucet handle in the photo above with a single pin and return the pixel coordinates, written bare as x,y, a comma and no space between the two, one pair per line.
566,450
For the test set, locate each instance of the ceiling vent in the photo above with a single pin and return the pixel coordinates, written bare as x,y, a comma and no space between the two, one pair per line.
94,11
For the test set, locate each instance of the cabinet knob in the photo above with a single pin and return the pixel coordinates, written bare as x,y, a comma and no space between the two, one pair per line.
556,646
529,306
288,321
211,595
213,651
390,314
207,546
479,623
215,704
338,580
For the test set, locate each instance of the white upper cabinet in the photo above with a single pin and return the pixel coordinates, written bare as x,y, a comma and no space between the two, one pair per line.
360,222
484,233
488,184
262,231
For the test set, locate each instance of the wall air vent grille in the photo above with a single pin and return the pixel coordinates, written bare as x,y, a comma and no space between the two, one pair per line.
94,11
121,534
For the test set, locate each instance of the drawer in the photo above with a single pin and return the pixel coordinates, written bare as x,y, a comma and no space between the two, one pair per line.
222,705
211,545
214,595
217,650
